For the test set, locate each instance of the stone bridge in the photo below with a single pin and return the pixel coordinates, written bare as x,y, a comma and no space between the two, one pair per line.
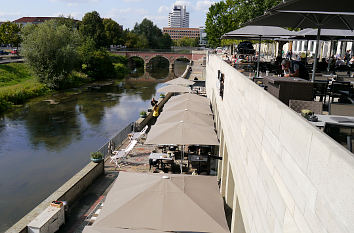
170,56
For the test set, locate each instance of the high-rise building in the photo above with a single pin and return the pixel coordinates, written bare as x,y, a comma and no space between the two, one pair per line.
178,17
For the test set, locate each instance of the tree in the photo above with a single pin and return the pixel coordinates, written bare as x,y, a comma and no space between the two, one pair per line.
95,62
133,40
166,41
229,15
10,33
152,33
187,42
114,32
69,21
50,50
92,27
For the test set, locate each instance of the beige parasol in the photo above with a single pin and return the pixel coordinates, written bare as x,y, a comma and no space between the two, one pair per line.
185,115
194,106
174,88
139,202
180,81
189,97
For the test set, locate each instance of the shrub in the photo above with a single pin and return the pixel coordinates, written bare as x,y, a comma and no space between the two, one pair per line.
120,69
50,50
96,155
119,59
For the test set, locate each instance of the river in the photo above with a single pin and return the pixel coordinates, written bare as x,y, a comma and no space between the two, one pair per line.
44,143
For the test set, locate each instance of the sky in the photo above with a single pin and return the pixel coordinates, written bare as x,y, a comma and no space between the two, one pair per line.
124,12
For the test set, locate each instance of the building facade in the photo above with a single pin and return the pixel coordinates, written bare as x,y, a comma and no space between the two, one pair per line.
178,17
178,33
278,172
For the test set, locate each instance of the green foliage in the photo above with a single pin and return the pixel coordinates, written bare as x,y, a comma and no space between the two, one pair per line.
10,34
51,51
119,59
75,79
156,39
96,155
92,27
67,21
18,93
187,42
133,40
114,32
229,15
142,113
120,69
96,63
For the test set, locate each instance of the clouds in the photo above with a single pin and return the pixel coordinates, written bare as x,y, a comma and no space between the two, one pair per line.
164,9
203,5
5,16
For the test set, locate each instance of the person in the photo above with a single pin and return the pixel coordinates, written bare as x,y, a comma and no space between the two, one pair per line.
294,69
351,62
153,102
155,112
347,57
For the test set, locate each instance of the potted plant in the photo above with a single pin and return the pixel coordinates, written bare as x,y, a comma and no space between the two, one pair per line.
142,114
162,95
96,157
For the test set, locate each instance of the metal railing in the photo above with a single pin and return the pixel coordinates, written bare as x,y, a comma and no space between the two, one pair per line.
116,141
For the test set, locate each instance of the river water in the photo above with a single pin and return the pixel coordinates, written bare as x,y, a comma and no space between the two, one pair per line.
44,143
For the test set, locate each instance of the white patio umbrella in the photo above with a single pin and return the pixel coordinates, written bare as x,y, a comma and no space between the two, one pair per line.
185,115
180,81
181,133
186,104
174,88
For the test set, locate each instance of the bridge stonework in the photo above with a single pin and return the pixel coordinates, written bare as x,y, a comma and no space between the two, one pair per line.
170,56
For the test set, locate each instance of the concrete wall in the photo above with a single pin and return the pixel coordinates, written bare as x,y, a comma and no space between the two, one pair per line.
288,175
68,192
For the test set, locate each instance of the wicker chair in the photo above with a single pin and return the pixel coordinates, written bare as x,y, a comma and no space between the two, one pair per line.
341,109
298,105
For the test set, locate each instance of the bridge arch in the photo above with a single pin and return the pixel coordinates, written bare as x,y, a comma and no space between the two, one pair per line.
170,61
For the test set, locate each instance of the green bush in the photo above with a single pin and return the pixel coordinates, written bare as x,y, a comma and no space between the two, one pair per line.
119,59
75,79
96,155
51,51
96,63
120,69
4,105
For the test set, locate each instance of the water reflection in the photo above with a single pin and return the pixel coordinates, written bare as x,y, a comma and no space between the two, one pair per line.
47,141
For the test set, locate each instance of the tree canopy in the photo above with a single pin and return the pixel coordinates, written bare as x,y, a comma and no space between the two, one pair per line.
229,15
10,34
92,27
51,50
187,42
114,32
153,34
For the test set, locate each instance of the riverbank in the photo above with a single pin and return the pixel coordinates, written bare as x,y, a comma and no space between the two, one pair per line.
19,84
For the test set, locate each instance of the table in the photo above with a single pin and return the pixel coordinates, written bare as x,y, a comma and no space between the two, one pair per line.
287,88
197,158
333,119
159,157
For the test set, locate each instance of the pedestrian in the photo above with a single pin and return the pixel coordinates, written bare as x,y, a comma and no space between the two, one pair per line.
153,102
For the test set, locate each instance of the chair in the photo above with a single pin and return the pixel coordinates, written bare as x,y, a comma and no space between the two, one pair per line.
338,88
341,109
138,135
298,105
320,89
119,154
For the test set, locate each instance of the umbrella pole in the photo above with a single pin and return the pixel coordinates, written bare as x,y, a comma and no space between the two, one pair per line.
316,53
182,156
259,55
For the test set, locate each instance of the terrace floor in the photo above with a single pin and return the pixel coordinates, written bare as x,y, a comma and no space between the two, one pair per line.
85,210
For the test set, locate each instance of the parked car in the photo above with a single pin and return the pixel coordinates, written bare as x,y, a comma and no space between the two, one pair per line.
14,51
245,47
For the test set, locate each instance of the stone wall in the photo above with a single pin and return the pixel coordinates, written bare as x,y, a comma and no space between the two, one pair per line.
288,175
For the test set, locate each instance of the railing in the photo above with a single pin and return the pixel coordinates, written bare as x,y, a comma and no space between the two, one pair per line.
116,140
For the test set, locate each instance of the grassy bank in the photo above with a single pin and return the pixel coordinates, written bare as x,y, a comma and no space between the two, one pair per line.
18,84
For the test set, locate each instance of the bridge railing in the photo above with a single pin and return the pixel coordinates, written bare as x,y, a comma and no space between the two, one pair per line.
184,51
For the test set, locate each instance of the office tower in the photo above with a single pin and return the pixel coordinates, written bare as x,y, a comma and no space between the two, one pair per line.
178,17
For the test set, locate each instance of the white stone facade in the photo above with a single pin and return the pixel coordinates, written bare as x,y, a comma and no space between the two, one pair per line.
279,173
178,17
